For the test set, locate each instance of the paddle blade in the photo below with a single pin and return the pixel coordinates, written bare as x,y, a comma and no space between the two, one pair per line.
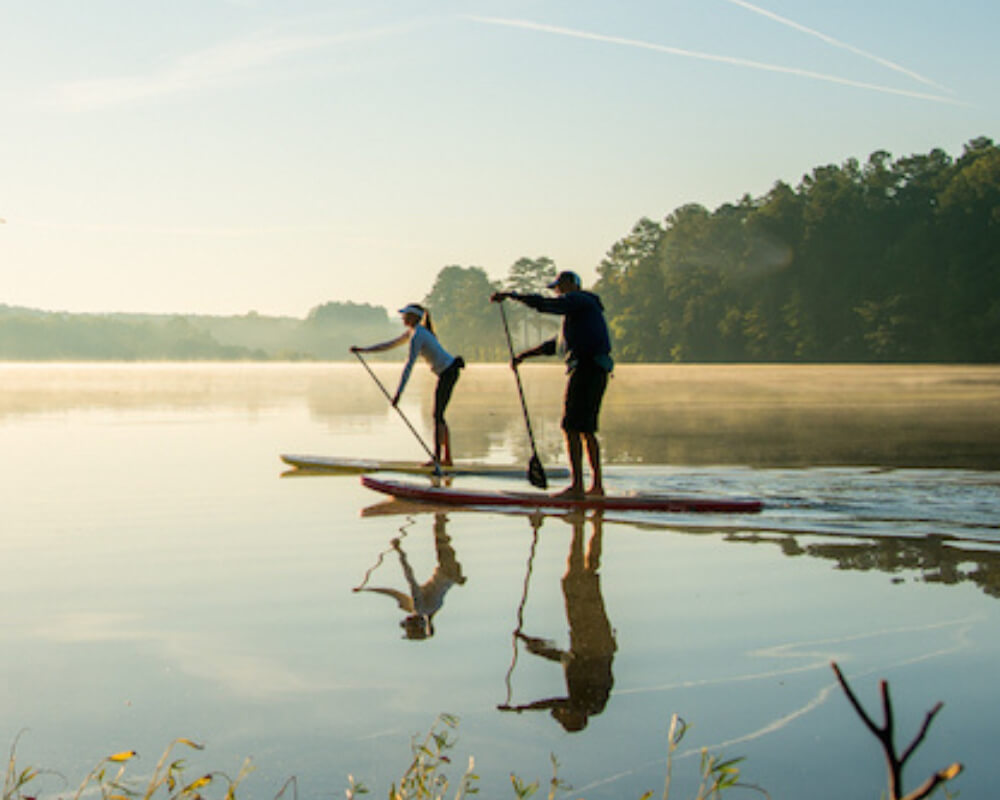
536,473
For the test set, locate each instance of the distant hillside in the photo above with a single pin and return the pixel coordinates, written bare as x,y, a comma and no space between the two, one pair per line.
325,334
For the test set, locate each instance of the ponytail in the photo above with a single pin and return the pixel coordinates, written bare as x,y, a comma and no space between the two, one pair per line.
425,315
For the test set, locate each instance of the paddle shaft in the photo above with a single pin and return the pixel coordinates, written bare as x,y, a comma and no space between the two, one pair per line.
535,525
437,466
517,376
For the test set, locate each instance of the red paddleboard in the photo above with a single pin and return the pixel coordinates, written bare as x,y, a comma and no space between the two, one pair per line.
441,495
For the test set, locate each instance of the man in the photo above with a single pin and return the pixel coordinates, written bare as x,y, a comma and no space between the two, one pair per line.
588,362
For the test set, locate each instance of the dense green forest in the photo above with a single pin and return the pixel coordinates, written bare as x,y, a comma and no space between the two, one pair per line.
886,261
890,260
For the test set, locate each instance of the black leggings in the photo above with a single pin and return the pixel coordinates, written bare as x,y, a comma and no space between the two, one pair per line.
445,386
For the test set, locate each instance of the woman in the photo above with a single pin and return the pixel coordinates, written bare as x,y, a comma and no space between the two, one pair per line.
423,342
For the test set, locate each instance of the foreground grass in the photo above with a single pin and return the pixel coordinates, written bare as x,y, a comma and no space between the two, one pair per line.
108,778
425,778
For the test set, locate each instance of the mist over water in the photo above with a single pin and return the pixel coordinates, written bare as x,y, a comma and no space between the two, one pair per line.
752,415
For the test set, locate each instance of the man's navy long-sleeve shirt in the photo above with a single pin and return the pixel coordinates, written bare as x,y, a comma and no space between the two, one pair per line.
584,329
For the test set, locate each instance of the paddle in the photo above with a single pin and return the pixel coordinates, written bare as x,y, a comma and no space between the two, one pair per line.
437,466
536,472
536,524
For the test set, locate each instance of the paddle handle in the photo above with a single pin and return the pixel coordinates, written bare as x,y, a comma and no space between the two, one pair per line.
517,377
437,466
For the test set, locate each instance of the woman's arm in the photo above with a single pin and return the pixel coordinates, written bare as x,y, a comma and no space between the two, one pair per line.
404,601
408,367
378,348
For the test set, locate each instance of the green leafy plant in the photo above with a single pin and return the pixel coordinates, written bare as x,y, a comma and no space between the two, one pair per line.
109,778
717,773
14,780
424,779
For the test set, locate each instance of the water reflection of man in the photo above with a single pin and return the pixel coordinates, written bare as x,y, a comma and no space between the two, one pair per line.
587,662
424,600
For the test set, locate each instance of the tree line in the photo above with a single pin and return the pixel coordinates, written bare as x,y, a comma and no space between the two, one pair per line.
885,261
892,260
459,299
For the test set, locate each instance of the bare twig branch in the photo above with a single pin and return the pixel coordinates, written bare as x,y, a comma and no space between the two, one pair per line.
923,731
854,700
934,781
889,728
885,735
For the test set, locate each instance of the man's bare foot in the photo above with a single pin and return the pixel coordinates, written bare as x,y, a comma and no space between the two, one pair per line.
570,493
595,491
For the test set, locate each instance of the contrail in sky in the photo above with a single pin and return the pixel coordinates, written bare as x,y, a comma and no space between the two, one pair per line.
233,232
735,61
211,67
207,67
837,43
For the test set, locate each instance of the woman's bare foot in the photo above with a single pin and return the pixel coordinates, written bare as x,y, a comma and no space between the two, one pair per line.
595,491
570,493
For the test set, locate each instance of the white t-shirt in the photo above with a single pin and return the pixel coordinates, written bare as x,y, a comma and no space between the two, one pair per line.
423,343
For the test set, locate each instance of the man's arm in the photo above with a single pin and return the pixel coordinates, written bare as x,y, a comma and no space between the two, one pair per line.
546,348
561,305
542,647
538,705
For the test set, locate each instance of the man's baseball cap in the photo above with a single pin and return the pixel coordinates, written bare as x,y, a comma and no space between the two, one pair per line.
566,276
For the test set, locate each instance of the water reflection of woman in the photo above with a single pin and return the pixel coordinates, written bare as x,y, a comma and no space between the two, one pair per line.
424,600
587,662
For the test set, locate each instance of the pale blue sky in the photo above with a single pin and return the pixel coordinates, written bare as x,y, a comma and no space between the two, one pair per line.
220,156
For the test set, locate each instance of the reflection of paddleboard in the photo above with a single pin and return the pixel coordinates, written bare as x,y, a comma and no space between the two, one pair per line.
393,507
354,466
410,508
618,502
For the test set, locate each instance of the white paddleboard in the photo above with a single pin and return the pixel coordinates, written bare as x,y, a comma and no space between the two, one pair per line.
360,466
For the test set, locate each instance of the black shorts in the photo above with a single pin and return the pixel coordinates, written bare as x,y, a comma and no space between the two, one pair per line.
446,383
584,393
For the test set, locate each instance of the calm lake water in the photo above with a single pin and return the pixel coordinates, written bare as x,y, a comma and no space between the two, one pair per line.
159,577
